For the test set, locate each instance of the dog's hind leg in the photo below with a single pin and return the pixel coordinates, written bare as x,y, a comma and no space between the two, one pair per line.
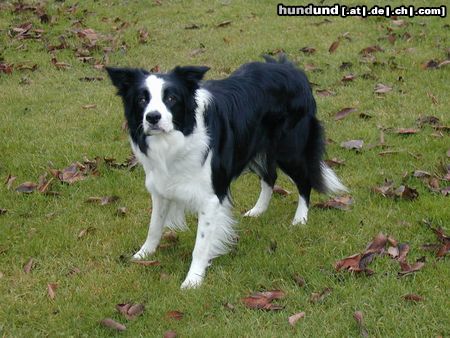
267,172
160,208
214,236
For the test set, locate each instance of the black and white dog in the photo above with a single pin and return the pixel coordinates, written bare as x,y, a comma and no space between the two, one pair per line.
195,137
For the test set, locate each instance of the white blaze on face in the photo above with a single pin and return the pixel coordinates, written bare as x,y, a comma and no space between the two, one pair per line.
156,86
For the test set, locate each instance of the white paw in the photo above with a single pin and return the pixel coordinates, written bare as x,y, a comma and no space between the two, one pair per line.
142,253
192,282
254,212
301,220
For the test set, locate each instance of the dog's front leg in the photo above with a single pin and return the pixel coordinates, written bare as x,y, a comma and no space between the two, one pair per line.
214,235
160,207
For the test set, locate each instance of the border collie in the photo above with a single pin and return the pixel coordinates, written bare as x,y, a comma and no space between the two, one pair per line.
195,137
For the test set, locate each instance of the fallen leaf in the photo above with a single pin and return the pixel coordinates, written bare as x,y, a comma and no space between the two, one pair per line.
263,300
146,263
44,184
382,88
6,68
86,231
403,250
334,162
398,23
224,23
280,190
3,211
359,321
334,46
229,306
393,251
406,131
197,51
121,211
353,144
112,324
299,280
405,192
343,113
308,50
407,269
320,296
348,77
176,315
295,318
73,271
170,334
170,236
340,202
89,106
103,200
91,78
192,26
10,180
29,266
27,187
270,295
387,189
413,297
130,311
324,92
51,290
371,49
421,173
143,35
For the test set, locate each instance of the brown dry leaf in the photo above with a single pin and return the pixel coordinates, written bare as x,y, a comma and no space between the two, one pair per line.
3,211
270,295
421,173
192,26
348,77
59,65
413,297
393,251
10,180
324,92
406,131
27,187
371,49
263,300
112,324
224,23
340,202
407,269
6,68
334,162
378,243
29,266
130,311
89,106
445,240
44,184
91,78
146,263
299,280
358,316
103,200
51,290
197,51
308,50
295,318
177,315
170,334
403,250
73,271
406,193
382,88
387,189
353,144
86,231
398,22
334,46
280,190
122,211
143,35
320,296
343,113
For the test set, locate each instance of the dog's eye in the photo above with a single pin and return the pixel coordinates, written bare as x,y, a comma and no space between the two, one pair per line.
171,99
142,100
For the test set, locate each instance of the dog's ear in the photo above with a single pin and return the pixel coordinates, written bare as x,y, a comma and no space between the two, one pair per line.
191,74
124,78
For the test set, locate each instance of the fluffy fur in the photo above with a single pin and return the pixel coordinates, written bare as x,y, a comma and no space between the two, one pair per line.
195,137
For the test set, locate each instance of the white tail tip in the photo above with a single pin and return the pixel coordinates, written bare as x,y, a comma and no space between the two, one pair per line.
332,183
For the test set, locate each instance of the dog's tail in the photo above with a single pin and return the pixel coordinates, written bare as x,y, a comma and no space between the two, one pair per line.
322,177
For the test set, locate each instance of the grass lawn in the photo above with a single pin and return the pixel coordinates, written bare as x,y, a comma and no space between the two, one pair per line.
49,118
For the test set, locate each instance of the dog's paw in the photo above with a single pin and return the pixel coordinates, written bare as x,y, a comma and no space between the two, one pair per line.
142,253
192,282
254,212
301,220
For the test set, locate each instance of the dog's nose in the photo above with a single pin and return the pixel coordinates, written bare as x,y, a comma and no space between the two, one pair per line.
153,117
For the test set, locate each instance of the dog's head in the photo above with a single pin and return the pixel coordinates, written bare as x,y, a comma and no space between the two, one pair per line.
158,103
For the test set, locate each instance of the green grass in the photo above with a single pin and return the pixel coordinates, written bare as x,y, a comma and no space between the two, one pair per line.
43,122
